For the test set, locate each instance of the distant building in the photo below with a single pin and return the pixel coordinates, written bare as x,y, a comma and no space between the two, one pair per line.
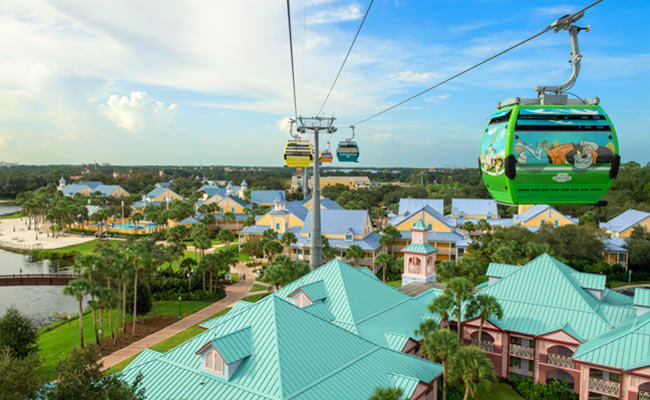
353,182
623,224
86,188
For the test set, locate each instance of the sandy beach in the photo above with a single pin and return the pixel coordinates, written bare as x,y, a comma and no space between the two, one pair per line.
15,235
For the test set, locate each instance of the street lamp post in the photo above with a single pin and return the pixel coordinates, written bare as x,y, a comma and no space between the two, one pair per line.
122,212
101,339
179,307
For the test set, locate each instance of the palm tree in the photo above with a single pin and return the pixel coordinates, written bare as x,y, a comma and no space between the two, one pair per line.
137,253
386,393
384,260
447,270
469,226
78,288
85,265
228,217
474,370
485,306
134,219
427,327
393,232
354,253
441,345
460,289
227,237
442,306
209,220
483,226
386,240
534,250
327,251
287,239
271,248
381,214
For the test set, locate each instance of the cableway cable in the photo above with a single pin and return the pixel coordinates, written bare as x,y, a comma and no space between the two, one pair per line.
548,28
293,74
346,58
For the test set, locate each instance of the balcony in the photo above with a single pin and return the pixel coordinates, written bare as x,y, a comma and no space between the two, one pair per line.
561,361
607,387
484,345
644,395
521,351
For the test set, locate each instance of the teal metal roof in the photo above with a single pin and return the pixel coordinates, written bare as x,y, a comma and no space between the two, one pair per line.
406,383
420,225
553,293
293,355
396,341
498,270
419,248
591,281
642,297
315,290
626,347
360,303
144,357
234,346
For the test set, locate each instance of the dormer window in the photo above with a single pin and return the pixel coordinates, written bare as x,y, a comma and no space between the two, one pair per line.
301,300
213,361
348,236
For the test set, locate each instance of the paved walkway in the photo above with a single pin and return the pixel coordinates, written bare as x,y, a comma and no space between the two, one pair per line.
234,293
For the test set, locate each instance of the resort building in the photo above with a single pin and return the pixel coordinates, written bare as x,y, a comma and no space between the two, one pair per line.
159,195
91,187
462,209
560,324
352,182
292,346
622,225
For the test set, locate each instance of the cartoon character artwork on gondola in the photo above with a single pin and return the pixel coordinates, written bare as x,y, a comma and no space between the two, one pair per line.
493,149
582,155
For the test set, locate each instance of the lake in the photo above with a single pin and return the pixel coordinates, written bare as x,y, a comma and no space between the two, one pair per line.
39,303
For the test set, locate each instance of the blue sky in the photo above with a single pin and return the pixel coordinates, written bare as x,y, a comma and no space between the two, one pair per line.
208,82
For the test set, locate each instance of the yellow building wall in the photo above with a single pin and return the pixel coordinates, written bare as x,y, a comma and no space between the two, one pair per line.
119,192
168,194
214,199
347,182
436,225
549,217
229,204
524,207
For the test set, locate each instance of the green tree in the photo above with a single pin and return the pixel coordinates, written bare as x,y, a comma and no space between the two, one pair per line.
271,248
277,273
78,288
441,346
460,289
638,245
469,226
386,393
79,377
18,380
381,215
505,255
18,333
354,252
483,226
471,368
227,237
135,218
442,305
394,233
384,260
228,217
485,306
287,239
427,327
447,270
534,250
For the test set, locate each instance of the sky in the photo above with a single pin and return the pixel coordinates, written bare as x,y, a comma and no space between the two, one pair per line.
209,82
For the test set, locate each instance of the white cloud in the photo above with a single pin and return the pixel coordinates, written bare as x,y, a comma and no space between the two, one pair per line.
437,98
284,125
5,138
350,12
381,137
137,112
558,11
410,76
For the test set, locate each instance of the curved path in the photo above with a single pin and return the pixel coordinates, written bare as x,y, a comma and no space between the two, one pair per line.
234,293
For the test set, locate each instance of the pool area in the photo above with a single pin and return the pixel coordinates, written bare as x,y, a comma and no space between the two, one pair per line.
122,225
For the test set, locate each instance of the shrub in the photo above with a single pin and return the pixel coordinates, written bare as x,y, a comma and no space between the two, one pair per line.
144,299
535,391
17,333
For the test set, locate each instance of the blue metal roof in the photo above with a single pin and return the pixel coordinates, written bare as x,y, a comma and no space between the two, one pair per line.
427,209
296,208
369,243
255,229
626,220
409,206
325,203
72,189
106,190
452,237
613,246
91,184
164,184
474,207
338,222
266,196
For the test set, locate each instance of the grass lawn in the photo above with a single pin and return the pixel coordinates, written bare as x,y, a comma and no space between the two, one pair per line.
258,288
82,248
502,391
395,284
15,215
56,343
169,343
615,284
254,298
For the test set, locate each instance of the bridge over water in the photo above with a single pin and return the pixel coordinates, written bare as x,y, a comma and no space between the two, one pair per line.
37,279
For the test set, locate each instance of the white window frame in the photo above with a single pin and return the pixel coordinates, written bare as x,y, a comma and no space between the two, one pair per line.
214,362
301,300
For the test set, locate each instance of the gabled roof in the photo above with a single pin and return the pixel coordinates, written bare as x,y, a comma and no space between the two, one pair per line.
106,190
446,221
325,203
158,191
613,246
538,209
419,248
498,270
296,208
625,220
236,200
72,189
626,347
265,196
476,207
554,294
337,222
233,346
164,184
91,184
293,355
642,297
316,291
453,237
409,206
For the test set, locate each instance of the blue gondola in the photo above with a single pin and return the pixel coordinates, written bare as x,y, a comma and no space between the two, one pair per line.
348,150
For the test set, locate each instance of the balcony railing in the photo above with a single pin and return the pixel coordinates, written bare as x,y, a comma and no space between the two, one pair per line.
484,345
603,386
644,395
560,361
521,351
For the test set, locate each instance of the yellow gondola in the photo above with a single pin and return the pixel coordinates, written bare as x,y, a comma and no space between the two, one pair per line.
326,156
298,153
298,171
